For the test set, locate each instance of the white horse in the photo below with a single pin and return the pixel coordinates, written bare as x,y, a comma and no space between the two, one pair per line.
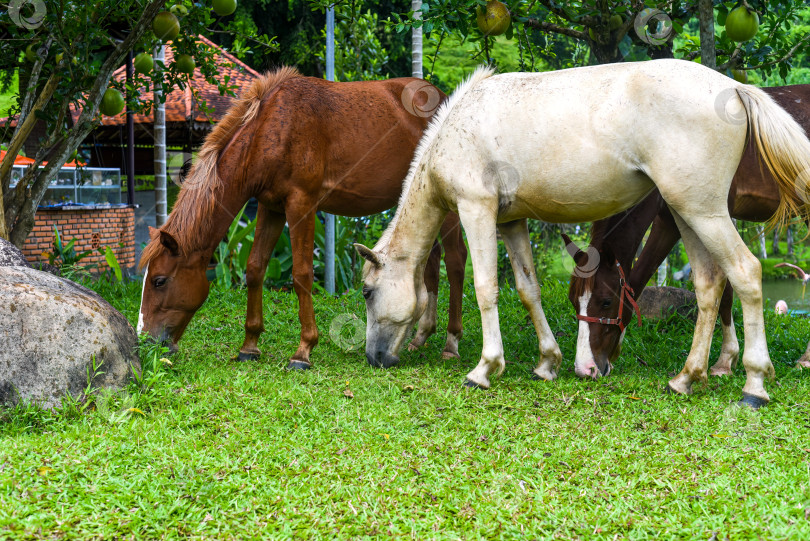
579,145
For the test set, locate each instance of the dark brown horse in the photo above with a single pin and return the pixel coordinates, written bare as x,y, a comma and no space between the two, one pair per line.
298,145
615,241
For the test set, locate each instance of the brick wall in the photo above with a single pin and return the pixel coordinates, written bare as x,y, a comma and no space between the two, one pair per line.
92,229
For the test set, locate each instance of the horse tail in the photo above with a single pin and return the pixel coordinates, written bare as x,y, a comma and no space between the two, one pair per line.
783,145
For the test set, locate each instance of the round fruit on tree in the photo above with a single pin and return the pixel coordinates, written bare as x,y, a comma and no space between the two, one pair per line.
143,63
224,7
615,22
31,52
166,26
494,20
741,76
185,63
112,103
179,10
741,24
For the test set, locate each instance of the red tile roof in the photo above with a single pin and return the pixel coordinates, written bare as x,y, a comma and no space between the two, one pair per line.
180,106
19,160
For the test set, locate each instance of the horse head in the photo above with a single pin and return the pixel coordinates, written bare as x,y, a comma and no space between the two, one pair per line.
395,300
598,292
174,287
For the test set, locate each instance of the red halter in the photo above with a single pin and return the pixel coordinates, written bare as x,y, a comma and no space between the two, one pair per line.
626,291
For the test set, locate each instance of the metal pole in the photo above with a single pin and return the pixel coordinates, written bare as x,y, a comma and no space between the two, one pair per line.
160,149
130,136
416,41
330,219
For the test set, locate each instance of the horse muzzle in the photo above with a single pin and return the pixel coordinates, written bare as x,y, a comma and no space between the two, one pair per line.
590,369
164,338
381,359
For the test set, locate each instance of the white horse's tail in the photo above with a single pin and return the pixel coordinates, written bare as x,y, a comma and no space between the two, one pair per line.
783,146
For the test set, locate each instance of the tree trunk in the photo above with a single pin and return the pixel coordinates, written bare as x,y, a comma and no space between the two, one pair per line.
790,241
775,245
761,236
416,41
662,273
606,54
21,202
160,148
20,136
708,54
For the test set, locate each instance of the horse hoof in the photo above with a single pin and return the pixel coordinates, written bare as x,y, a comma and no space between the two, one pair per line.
471,384
753,402
245,357
298,365
449,355
669,390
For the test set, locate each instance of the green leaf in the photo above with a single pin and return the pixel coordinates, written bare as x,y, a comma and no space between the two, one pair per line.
274,269
112,261
240,235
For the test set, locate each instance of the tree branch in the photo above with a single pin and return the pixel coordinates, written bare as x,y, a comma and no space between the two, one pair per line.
30,90
83,126
585,21
787,55
24,129
550,27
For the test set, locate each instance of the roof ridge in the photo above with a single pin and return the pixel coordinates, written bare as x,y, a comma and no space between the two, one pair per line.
230,56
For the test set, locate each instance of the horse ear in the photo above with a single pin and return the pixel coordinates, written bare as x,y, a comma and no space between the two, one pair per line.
368,254
573,250
169,242
153,232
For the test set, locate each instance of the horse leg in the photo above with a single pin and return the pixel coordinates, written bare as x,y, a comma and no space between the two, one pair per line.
719,236
455,260
730,351
427,323
709,281
804,360
515,236
269,226
479,222
301,219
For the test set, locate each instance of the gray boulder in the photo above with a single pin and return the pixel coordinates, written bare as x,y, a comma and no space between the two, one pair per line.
11,256
51,330
662,302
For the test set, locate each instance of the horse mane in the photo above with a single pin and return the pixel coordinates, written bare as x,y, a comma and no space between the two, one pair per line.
579,285
190,218
599,232
432,130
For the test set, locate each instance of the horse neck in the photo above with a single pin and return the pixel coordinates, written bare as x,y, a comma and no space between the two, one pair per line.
203,220
415,226
624,232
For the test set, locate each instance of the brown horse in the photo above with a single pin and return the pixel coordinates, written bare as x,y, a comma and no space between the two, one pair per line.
298,145
753,196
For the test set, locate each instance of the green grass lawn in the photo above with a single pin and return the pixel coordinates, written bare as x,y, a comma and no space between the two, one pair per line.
221,450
